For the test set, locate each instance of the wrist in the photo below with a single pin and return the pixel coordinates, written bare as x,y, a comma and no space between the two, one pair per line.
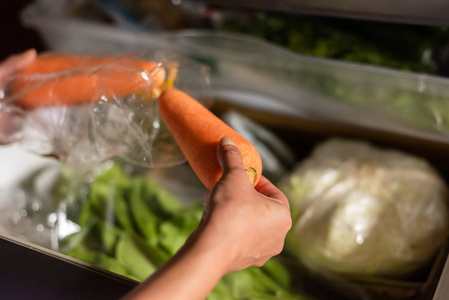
216,250
189,275
208,253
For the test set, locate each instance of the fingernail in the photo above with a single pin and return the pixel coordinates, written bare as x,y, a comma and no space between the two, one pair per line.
227,141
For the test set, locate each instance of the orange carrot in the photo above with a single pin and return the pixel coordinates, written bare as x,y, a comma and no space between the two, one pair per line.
72,85
198,131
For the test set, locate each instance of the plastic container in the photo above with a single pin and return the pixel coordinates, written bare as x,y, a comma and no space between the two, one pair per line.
415,12
323,97
264,76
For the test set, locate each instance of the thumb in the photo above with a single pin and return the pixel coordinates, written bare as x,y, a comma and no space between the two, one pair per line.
229,155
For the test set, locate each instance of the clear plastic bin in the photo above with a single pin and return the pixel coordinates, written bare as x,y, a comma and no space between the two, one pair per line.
258,75
264,76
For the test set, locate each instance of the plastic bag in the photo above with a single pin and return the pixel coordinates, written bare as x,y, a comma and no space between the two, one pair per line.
96,110
117,218
360,210
262,75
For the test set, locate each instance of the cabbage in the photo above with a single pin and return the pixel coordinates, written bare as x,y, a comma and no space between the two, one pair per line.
362,210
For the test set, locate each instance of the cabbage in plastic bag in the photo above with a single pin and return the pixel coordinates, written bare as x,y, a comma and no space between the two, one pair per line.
363,210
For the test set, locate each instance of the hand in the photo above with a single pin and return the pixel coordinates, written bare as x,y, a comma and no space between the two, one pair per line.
242,226
247,224
8,67
15,63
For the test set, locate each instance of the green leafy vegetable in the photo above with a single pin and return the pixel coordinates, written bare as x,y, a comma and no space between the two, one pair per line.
391,45
131,226
101,260
109,235
133,258
359,210
144,218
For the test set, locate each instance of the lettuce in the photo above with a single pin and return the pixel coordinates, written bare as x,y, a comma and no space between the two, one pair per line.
358,209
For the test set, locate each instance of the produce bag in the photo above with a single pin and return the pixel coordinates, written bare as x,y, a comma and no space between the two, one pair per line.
84,108
363,212
261,74
125,221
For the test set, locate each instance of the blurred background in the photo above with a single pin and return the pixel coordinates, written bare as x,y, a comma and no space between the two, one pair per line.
418,43
15,38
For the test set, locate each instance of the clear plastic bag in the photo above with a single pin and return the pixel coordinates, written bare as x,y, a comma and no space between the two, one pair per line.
262,75
129,222
360,210
93,111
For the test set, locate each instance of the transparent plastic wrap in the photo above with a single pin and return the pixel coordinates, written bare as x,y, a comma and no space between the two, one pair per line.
85,109
123,219
263,75
359,210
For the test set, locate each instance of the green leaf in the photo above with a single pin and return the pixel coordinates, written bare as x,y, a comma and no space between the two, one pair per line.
161,202
108,201
133,259
220,292
172,237
116,175
99,259
145,220
190,216
274,269
253,283
109,235
87,213
154,252
122,213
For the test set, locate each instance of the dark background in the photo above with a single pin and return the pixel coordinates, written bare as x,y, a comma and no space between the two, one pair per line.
14,38
32,274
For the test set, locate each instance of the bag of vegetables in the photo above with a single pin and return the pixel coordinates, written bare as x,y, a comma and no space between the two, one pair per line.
360,210
85,108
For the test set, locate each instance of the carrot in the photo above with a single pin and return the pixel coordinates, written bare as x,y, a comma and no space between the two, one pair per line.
198,131
68,83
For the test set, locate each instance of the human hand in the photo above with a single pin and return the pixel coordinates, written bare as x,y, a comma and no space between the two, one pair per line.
242,226
8,67
246,225
15,63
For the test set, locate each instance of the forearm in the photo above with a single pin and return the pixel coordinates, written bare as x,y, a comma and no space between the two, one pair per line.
190,275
